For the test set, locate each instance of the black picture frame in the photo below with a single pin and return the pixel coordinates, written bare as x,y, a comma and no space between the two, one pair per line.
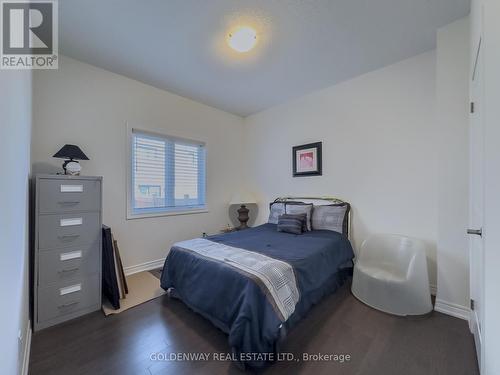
319,163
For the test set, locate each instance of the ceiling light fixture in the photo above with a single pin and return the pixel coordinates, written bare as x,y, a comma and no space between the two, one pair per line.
243,39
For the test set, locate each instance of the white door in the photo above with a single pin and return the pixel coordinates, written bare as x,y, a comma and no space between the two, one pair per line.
476,213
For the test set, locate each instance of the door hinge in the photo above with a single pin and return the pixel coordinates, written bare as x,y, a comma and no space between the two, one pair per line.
472,304
471,107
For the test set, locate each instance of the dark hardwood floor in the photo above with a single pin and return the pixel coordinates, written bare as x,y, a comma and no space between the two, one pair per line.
377,343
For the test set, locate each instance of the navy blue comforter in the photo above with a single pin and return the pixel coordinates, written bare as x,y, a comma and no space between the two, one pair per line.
235,303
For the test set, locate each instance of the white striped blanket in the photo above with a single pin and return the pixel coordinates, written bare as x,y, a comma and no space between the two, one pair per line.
276,276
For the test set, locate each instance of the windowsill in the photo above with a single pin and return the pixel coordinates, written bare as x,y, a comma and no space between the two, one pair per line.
170,213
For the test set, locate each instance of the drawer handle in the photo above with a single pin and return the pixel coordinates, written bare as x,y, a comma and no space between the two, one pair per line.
69,256
67,305
71,188
68,202
71,222
70,289
69,270
67,236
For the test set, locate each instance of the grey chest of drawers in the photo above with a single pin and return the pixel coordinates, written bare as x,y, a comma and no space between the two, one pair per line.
67,248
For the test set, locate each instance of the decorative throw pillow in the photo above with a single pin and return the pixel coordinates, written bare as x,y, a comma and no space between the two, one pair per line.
276,209
291,223
331,217
302,217
301,208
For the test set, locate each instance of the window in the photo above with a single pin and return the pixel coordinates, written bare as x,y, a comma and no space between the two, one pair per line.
167,175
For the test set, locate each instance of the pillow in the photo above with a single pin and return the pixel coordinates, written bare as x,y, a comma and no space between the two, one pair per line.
332,217
291,223
300,208
302,217
276,209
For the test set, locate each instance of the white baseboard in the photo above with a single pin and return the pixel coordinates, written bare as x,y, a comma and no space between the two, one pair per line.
160,262
433,288
144,267
452,309
27,350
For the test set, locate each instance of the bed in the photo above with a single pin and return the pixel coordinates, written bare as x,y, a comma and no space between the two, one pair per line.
256,283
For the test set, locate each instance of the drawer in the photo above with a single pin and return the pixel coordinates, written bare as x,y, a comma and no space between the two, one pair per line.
57,231
69,196
56,266
68,297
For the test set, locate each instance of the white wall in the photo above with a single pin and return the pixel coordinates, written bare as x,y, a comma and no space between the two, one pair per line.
15,133
88,106
379,150
452,88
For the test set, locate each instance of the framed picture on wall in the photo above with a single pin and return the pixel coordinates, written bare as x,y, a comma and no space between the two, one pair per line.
306,160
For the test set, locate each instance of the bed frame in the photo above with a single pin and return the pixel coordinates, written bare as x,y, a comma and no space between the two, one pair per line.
324,199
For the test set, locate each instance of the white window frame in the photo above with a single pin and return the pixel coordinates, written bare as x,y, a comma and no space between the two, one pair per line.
131,215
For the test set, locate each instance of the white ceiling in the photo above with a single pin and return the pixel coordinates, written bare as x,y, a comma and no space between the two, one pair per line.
303,45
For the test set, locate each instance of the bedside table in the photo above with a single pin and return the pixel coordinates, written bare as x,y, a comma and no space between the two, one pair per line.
228,230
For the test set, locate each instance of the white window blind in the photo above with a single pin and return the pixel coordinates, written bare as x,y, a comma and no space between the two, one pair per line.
168,174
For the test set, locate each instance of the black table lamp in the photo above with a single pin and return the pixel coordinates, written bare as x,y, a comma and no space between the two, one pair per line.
242,199
71,153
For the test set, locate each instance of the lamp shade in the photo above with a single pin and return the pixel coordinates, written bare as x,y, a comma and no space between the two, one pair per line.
71,152
242,198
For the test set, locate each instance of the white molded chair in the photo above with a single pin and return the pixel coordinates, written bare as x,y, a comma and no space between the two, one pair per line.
390,275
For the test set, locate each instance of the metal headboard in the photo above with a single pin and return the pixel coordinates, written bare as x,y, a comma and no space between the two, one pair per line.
332,200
